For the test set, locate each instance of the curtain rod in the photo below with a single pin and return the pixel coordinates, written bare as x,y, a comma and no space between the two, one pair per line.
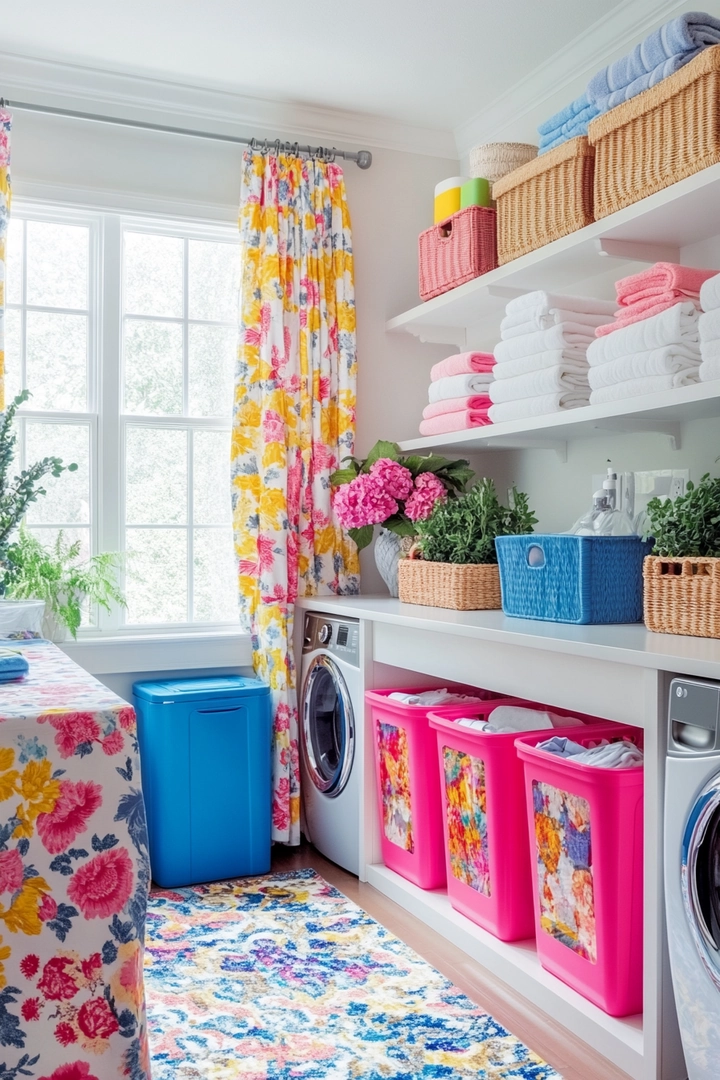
362,157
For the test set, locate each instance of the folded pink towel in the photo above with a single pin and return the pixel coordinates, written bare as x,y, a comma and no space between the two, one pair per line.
464,363
660,278
643,309
456,404
455,421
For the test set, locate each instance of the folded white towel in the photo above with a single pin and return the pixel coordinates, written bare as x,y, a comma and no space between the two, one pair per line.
557,337
675,325
709,325
710,293
569,360
588,304
537,406
652,384
709,350
527,322
667,361
709,370
536,383
459,386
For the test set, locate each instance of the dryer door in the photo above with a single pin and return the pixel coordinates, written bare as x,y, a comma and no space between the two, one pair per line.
328,727
701,876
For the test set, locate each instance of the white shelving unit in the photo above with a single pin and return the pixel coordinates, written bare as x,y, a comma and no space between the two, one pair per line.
585,262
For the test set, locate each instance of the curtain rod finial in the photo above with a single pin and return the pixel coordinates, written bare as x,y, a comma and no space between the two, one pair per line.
364,159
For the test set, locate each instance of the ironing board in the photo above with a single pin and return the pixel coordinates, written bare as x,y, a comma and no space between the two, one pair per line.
74,877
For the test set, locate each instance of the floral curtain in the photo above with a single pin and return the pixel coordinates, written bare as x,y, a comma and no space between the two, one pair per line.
5,123
294,420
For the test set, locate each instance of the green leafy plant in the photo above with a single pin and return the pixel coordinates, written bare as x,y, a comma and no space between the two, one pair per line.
17,493
463,530
688,525
56,576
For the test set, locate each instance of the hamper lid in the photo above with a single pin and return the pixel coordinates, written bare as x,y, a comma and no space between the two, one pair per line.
219,686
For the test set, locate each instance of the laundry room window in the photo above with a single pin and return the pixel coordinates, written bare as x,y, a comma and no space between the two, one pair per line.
124,330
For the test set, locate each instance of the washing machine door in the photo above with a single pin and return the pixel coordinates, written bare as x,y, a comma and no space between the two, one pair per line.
701,876
328,726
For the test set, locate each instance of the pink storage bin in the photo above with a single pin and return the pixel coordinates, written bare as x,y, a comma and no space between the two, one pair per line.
408,785
460,248
485,829
586,827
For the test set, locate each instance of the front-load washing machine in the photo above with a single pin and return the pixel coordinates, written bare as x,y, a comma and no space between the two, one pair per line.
692,869
330,736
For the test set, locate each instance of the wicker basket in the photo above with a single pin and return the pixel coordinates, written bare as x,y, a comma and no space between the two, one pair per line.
545,199
682,596
456,250
494,160
658,137
461,586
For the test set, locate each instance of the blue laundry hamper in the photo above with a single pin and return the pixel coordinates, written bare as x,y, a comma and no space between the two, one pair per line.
206,773
572,579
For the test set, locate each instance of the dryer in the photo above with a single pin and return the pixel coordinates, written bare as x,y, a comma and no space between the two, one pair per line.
692,869
330,736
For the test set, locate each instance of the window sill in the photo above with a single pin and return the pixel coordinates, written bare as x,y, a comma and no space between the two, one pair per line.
161,652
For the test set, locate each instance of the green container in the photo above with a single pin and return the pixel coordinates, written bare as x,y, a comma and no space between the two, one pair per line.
475,192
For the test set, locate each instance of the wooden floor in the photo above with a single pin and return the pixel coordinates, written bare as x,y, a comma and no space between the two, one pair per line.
568,1055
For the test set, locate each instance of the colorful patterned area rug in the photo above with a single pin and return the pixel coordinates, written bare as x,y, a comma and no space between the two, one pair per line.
283,977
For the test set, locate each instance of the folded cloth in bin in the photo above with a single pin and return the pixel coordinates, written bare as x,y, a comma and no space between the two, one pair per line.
13,665
427,698
508,718
606,755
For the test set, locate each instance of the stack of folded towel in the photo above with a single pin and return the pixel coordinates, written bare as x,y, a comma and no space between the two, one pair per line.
458,393
647,356
661,54
709,328
663,285
541,360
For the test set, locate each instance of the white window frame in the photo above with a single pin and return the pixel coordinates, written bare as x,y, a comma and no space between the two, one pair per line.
105,393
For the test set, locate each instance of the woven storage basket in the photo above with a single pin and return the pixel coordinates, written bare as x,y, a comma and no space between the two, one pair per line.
456,250
682,596
545,199
461,586
494,160
658,137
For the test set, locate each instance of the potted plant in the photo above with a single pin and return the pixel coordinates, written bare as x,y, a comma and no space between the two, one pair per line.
56,576
682,575
396,492
454,563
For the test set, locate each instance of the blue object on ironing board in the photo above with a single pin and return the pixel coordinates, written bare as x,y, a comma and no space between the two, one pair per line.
13,665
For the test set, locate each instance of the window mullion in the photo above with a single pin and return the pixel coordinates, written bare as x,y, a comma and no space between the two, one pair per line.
111,511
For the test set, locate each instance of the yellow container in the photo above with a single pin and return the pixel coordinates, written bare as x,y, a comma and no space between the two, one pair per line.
447,197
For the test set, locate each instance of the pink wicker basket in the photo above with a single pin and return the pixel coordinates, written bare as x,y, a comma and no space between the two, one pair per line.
462,247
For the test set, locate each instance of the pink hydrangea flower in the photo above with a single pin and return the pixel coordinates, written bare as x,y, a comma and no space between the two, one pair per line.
363,502
396,480
427,492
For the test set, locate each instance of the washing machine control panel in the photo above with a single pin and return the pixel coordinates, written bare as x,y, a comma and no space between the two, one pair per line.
339,637
325,633
694,717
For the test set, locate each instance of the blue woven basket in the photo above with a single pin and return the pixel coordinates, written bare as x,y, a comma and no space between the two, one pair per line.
572,579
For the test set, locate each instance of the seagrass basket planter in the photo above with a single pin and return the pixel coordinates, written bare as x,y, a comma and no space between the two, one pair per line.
682,596
460,586
545,199
659,137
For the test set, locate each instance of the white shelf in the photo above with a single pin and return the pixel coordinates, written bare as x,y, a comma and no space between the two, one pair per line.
664,413
517,964
651,230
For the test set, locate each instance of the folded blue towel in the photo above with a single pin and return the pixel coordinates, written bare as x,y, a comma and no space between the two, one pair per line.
566,115
12,665
661,54
570,129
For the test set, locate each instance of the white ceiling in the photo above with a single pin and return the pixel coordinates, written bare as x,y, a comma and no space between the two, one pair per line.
431,63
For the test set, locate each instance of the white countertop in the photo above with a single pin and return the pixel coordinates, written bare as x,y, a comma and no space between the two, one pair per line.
628,643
